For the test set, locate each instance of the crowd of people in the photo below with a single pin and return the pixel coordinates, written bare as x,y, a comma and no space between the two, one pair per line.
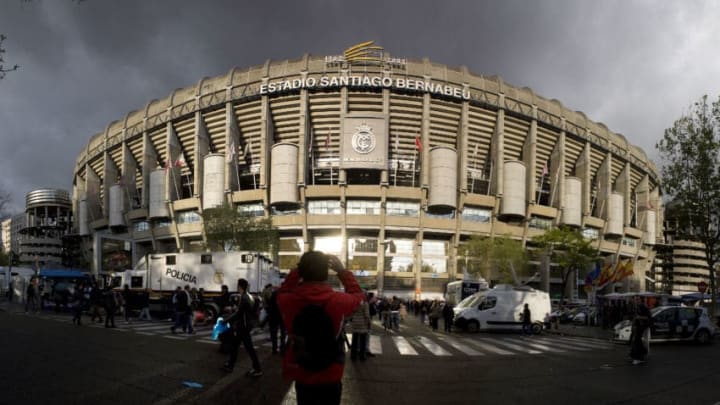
306,319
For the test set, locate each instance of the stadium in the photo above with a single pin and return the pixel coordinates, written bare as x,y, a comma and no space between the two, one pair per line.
391,164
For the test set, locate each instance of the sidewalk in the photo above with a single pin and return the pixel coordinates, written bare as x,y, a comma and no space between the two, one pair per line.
595,332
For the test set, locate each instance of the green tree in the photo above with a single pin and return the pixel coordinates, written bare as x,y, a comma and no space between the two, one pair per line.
568,250
499,259
227,229
690,152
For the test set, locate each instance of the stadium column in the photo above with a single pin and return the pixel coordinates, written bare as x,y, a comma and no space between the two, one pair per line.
304,159
530,160
497,152
424,175
582,170
384,184
557,173
463,146
622,185
342,174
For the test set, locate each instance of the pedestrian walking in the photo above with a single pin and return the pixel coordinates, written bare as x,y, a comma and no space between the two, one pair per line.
31,296
79,303
448,314
435,314
313,314
144,304
360,326
96,303
183,310
372,304
639,343
127,297
275,323
243,320
111,305
526,320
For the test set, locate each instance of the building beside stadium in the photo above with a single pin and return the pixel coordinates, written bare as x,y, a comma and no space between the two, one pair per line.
391,164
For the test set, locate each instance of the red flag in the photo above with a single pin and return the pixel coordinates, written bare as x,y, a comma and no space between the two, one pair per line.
545,169
327,140
418,144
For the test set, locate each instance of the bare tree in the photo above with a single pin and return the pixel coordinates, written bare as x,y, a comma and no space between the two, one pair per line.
3,69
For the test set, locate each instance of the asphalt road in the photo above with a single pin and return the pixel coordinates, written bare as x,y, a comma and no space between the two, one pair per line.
46,359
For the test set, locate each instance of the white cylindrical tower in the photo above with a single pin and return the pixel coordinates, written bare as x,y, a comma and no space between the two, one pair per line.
158,207
83,226
283,176
213,180
443,179
572,202
116,215
615,214
513,199
650,226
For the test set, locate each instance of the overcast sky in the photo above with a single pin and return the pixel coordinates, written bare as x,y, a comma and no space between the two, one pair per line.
635,66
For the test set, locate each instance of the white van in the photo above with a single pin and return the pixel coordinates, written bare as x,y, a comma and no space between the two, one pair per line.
501,309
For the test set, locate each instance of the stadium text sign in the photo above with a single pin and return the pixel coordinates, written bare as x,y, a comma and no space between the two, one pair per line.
366,82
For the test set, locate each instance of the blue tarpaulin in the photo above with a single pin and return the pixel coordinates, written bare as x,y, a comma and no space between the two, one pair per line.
63,273
695,296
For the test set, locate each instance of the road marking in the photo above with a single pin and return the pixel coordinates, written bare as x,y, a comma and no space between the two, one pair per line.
433,347
586,343
564,345
513,346
404,346
175,337
532,342
489,346
461,347
375,345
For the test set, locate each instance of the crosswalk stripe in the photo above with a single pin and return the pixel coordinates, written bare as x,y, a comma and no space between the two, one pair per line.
488,346
540,346
404,346
514,346
564,345
586,343
461,347
375,345
433,347
175,337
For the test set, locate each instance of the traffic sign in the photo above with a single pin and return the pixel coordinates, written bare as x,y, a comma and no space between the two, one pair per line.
702,287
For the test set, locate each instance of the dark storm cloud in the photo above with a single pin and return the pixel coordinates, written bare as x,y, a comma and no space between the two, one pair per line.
633,65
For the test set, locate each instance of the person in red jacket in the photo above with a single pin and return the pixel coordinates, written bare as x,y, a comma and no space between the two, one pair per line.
307,285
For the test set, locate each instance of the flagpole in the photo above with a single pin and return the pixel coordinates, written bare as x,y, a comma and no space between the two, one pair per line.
414,167
327,145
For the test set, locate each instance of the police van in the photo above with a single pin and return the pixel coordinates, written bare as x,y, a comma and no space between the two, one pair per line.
162,273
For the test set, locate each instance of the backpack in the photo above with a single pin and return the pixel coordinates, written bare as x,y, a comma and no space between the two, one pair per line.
314,341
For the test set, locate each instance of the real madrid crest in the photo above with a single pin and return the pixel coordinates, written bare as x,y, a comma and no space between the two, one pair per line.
363,140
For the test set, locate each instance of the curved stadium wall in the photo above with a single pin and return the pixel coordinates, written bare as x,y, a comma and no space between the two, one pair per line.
390,166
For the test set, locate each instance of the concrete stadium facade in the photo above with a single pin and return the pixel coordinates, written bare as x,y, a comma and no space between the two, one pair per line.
391,164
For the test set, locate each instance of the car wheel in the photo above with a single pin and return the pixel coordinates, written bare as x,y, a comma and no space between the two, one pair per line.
211,313
702,336
473,326
537,328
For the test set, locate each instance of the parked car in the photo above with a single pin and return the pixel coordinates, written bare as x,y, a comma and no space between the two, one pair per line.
671,323
585,316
